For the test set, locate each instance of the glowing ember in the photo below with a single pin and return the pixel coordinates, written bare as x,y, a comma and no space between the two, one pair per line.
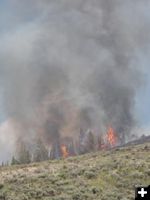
111,137
64,151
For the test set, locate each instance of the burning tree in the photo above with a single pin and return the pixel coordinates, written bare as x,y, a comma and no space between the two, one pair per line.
111,137
64,151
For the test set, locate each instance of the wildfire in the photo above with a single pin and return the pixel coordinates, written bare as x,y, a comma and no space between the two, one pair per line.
111,137
64,151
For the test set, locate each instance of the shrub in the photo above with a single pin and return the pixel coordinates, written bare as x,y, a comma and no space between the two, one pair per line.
1,186
90,175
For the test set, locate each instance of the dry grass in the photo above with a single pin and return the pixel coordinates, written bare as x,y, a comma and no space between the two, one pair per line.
108,175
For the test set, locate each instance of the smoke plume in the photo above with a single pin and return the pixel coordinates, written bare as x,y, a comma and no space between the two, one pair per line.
66,65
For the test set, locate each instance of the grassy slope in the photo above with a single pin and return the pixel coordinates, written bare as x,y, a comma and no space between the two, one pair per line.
108,175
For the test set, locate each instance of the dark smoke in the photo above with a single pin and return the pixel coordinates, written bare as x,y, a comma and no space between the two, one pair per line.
72,65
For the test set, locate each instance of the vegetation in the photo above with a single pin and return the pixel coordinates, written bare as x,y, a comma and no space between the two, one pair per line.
105,175
41,153
25,157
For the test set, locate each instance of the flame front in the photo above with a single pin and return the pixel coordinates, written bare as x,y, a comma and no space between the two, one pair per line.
64,151
111,137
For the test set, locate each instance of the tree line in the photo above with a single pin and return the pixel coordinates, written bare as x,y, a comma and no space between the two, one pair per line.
87,142
25,157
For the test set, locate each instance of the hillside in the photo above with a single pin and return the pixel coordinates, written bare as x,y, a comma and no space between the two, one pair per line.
107,175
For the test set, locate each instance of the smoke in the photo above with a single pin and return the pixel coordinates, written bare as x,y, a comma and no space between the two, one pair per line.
68,65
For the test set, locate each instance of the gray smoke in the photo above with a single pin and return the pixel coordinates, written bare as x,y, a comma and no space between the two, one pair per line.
66,65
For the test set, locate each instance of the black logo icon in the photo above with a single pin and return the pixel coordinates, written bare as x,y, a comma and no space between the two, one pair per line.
142,193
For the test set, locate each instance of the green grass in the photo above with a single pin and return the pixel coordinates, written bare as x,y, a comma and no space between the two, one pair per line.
107,175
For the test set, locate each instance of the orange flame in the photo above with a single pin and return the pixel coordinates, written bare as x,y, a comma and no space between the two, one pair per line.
111,137
64,151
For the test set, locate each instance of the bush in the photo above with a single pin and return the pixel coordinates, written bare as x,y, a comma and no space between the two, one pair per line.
90,175
1,186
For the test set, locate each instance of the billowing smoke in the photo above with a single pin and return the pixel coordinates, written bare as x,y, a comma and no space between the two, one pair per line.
66,65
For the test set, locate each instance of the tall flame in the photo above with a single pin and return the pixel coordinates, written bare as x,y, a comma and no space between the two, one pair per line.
64,151
111,137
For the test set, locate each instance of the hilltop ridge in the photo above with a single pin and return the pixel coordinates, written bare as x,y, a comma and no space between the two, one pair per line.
105,175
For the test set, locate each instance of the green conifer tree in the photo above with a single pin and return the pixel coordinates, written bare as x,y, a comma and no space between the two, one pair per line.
41,153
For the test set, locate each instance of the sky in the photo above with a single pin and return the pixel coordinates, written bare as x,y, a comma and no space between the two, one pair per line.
77,35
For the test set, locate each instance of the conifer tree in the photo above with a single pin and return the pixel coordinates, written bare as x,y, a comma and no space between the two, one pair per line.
90,143
24,156
41,153
14,161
